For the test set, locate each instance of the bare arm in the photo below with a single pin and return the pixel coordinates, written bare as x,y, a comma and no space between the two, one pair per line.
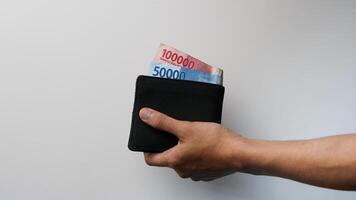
327,162
207,151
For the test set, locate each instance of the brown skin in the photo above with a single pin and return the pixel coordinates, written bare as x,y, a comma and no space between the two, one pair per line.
207,151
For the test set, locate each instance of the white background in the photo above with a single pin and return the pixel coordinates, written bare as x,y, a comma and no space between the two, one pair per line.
67,74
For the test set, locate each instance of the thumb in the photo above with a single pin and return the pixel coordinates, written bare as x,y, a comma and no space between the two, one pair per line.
163,122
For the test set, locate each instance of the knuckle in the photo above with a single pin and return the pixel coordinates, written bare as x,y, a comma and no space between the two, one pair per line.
177,159
185,126
174,161
159,121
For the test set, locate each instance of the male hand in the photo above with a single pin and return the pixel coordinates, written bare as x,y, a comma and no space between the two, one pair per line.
205,151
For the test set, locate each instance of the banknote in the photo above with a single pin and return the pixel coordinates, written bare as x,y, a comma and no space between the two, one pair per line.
167,54
165,70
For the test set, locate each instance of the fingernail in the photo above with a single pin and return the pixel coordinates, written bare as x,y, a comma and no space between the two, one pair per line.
145,113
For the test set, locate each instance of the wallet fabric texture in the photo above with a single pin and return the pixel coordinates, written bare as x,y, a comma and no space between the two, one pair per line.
180,99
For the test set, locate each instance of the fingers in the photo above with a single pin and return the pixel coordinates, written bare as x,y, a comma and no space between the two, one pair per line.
165,159
156,159
163,122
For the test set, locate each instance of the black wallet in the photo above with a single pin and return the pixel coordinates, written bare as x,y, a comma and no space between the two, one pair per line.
180,99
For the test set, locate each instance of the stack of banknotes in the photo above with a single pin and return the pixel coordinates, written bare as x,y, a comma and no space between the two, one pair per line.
174,64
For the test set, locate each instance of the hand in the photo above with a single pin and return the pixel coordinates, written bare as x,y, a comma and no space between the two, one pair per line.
205,151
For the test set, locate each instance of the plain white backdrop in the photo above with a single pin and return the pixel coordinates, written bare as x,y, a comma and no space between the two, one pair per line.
67,75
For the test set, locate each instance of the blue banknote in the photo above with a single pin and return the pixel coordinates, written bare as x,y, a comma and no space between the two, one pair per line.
165,70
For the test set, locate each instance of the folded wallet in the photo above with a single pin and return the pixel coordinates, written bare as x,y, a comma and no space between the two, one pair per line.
180,99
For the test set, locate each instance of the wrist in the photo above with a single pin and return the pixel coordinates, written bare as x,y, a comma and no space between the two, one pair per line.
252,156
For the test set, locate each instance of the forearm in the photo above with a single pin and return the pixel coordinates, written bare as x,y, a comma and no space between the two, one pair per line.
327,162
207,151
